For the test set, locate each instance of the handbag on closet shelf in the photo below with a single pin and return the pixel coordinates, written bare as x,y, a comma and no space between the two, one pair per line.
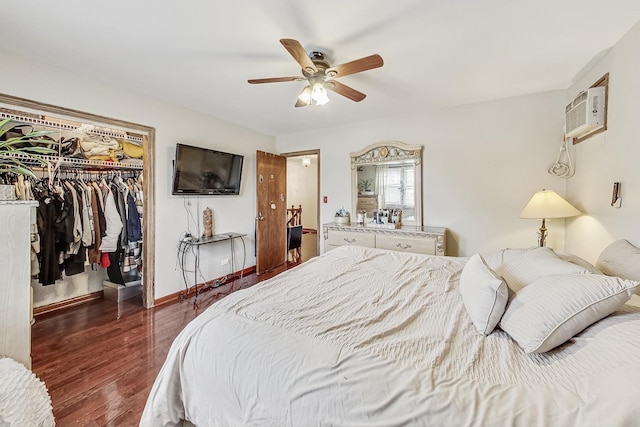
71,148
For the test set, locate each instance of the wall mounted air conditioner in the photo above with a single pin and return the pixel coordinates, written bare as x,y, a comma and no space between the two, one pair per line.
586,113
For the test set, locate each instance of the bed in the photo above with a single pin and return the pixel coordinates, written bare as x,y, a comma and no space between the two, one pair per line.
369,337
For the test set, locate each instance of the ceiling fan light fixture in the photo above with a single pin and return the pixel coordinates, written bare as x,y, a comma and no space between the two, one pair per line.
305,95
319,94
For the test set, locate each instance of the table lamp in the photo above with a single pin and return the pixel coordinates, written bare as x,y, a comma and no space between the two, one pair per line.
544,205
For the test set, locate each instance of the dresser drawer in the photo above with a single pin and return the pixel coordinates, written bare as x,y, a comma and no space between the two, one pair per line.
421,240
341,238
421,245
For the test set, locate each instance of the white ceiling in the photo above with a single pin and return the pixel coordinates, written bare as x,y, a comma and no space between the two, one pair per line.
437,53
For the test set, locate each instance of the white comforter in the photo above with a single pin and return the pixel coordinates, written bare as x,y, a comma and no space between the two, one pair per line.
366,337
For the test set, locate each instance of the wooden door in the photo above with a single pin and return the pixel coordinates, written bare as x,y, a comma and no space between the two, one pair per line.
271,211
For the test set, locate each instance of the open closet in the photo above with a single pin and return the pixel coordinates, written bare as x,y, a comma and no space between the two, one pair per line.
94,218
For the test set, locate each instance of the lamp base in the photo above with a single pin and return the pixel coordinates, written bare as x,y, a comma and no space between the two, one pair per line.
542,235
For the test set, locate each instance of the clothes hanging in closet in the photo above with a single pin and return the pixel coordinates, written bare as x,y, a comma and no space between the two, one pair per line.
111,238
47,213
82,221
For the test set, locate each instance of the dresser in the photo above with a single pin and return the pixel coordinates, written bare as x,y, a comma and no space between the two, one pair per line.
16,218
423,240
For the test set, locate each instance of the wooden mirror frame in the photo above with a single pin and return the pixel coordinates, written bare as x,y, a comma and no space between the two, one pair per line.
389,152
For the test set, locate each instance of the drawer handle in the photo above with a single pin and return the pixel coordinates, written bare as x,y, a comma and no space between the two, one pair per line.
403,246
348,240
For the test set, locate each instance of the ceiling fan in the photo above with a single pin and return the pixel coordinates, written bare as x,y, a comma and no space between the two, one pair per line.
321,75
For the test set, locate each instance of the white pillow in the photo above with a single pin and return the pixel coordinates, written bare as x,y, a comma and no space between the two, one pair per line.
496,259
483,293
581,262
534,264
553,309
620,259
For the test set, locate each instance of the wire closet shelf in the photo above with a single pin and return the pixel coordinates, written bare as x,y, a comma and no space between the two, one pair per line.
65,125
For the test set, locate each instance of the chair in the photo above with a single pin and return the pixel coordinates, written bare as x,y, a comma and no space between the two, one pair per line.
294,232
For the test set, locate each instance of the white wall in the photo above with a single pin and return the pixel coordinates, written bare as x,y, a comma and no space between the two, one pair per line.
613,155
39,82
481,165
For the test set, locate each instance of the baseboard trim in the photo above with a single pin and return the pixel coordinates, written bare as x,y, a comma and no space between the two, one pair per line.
181,295
174,297
43,309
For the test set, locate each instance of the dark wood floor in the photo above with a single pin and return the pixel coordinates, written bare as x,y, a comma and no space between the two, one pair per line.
100,359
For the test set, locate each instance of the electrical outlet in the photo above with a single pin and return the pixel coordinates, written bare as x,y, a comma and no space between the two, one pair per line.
224,261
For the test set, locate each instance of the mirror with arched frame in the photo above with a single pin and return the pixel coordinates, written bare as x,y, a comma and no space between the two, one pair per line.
388,175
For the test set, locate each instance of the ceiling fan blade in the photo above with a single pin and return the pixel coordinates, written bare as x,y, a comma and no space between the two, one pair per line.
345,90
277,80
352,67
299,54
300,103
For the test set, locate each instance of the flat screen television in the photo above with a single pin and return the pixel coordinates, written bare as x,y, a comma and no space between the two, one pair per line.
200,171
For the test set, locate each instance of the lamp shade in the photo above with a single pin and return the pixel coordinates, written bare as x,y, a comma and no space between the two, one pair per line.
547,204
